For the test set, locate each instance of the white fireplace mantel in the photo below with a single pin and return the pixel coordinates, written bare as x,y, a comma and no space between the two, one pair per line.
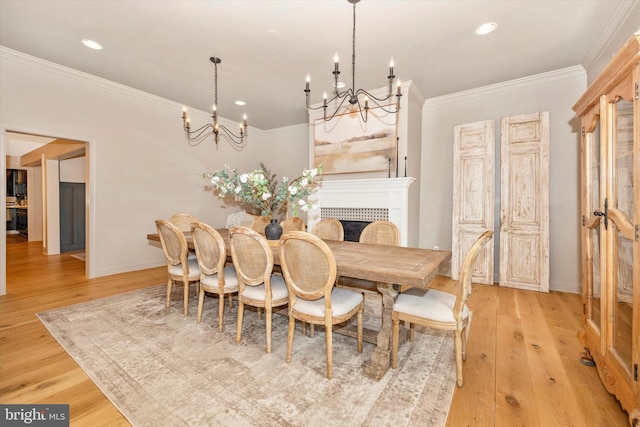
382,193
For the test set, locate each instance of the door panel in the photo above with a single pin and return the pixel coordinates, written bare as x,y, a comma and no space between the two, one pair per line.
622,232
524,202
72,216
473,196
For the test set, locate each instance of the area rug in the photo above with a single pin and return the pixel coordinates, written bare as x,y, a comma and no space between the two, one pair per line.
160,368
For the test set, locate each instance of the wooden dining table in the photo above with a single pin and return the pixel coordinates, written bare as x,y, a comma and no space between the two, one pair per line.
388,266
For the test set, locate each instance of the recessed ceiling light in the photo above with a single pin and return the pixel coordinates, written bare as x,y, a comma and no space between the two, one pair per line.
240,103
92,44
486,28
273,34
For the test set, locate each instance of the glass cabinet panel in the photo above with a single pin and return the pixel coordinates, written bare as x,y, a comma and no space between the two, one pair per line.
592,177
622,201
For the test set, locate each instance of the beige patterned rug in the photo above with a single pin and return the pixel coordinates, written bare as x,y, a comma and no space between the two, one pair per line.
162,369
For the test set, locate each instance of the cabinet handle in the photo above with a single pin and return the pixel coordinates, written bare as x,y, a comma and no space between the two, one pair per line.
604,214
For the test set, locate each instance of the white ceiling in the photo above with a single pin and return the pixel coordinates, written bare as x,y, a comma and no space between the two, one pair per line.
163,46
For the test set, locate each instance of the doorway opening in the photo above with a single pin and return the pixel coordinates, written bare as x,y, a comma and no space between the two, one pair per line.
50,166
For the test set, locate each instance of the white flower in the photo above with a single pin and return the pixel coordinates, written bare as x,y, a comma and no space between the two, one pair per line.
302,202
266,196
260,177
293,190
304,182
313,172
305,207
238,189
215,179
243,178
315,205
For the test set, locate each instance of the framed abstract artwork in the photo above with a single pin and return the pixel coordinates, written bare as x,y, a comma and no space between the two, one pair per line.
346,144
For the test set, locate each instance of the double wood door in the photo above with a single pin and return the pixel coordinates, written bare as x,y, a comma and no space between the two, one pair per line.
524,199
610,172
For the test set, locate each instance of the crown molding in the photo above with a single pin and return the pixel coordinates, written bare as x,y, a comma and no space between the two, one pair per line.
611,30
535,80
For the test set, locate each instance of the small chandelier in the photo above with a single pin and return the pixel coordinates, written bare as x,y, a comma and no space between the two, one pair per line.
195,137
351,94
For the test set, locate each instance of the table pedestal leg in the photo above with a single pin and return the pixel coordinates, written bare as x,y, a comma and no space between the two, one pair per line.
381,356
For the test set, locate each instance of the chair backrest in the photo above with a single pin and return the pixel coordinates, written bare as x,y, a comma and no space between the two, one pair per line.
183,221
260,223
293,223
308,266
174,244
464,282
381,233
328,229
252,256
210,248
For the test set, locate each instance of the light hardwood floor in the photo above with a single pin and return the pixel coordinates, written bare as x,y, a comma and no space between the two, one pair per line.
523,365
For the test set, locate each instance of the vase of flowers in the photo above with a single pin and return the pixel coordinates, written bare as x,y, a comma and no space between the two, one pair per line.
261,190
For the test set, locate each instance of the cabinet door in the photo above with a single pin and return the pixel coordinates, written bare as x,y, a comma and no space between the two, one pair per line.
593,231
621,212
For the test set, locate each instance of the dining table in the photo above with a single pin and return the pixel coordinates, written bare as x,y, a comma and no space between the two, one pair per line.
388,266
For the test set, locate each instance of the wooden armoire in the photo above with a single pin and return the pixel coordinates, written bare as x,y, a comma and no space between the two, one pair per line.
610,208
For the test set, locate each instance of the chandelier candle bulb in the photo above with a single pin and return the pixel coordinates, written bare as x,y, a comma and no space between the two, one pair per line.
336,61
391,68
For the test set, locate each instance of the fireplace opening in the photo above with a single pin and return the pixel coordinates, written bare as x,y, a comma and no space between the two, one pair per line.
353,229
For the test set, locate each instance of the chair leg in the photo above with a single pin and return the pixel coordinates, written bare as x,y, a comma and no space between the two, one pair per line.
240,315
312,329
395,332
328,329
360,329
464,343
186,297
412,331
169,282
267,314
458,345
220,309
230,300
292,327
200,304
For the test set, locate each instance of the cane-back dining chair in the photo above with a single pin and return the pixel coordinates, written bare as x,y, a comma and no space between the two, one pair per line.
309,268
183,221
439,310
257,286
215,277
328,229
179,267
381,233
293,223
260,223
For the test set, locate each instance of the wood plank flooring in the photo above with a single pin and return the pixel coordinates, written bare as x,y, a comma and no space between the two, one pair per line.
523,357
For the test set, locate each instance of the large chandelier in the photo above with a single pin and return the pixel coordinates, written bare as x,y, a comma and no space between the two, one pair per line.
195,137
351,94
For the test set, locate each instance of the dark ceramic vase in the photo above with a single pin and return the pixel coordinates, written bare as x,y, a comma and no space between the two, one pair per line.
273,230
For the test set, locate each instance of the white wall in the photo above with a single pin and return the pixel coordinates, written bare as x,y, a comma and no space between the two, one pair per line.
73,170
140,166
555,92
